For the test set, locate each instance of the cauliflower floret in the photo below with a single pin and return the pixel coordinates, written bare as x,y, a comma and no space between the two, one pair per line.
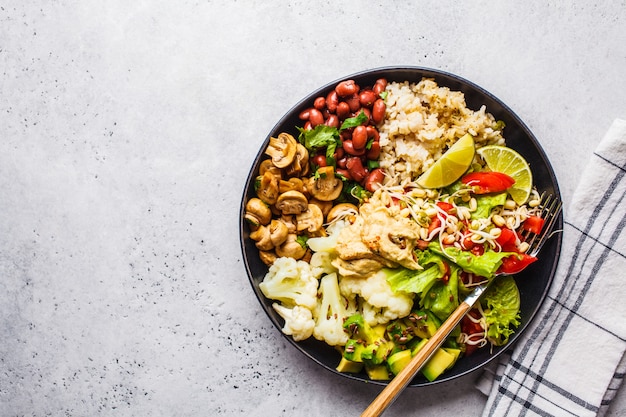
291,282
329,242
299,321
321,264
332,310
380,303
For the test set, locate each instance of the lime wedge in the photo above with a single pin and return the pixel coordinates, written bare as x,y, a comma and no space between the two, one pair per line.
452,164
508,161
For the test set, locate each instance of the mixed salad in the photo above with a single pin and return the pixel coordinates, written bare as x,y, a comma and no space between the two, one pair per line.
373,267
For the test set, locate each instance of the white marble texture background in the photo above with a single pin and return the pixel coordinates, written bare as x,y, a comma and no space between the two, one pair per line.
126,131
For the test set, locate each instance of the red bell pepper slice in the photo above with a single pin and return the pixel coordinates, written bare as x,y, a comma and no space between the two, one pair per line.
516,263
488,182
533,224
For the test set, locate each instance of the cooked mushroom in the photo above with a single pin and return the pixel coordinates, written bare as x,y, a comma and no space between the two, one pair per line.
290,222
291,248
262,238
267,165
300,164
267,187
282,149
257,212
326,186
325,206
290,184
271,236
291,202
310,220
342,210
267,257
278,232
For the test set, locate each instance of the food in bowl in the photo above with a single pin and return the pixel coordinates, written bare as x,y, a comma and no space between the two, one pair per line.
358,215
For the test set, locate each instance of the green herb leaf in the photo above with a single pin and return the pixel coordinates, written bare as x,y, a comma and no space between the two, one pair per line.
354,121
321,136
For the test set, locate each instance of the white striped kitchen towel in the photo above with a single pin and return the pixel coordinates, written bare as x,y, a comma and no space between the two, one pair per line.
570,360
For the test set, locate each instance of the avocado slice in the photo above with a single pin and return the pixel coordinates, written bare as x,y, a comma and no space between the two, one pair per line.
439,362
454,352
399,360
378,372
349,367
426,324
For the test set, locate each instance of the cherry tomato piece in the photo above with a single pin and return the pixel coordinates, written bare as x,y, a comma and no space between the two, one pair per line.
516,263
507,240
533,224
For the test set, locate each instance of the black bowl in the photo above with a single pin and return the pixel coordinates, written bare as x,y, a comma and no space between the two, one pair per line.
533,282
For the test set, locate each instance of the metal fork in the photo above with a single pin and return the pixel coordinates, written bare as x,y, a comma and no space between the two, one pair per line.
550,210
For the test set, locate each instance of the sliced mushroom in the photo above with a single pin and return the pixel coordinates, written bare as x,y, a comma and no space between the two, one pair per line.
291,202
325,206
290,222
257,212
282,149
263,238
267,165
326,186
300,164
267,257
342,210
291,248
271,236
267,188
310,220
292,184
278,232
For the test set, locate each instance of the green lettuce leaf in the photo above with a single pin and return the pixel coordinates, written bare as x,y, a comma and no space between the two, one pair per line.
484,265
443,297
486,203
501,304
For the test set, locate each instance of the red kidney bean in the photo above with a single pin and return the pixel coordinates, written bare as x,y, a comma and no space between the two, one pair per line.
367,98
374,151
379,86
378,111
341,161
343,110
356,169
359,137
349,148
372,133
304,114
308,126
374,180
344,172
353,102
332,120
332,99
320,160
320,103
339,153
347,88
316,117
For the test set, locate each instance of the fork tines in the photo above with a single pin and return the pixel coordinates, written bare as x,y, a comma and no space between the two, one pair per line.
550,209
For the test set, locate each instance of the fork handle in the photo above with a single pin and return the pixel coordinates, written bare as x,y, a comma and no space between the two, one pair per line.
400,381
